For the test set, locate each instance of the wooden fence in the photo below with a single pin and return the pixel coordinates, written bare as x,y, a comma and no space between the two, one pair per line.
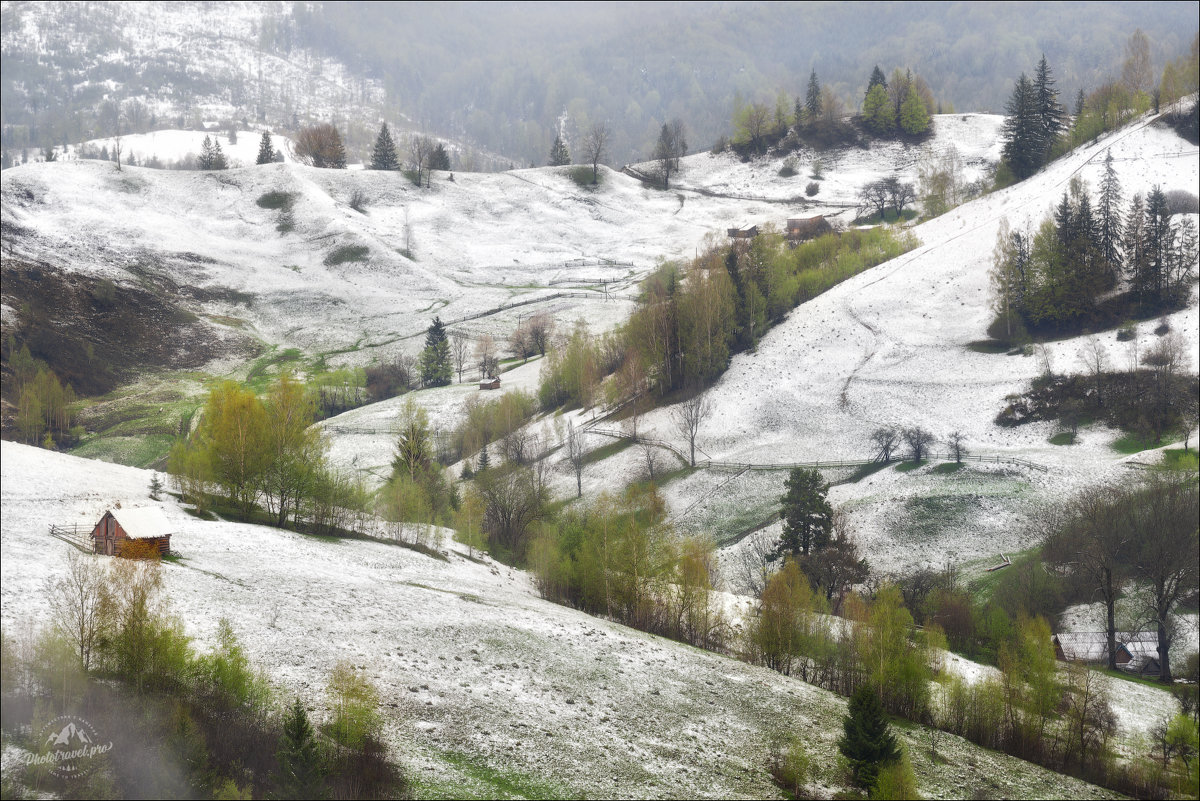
73,534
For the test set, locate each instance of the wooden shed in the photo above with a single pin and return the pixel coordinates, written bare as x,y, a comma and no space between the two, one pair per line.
749,232
1137,651
490,383
116,528
800,229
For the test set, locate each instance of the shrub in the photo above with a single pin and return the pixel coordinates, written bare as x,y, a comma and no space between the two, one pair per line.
347,253
276,200
358,201
790,766
582,176
812,188
789,168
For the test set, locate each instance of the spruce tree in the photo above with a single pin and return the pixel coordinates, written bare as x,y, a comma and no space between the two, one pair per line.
812,100
559,157
867,742
301,768
1024,144
337,152
877,79
878,114
266,150
914,117
439,159
205,161
807,515
383,157
436,367
1051,115
218,156
1110,226
484,461
1157,239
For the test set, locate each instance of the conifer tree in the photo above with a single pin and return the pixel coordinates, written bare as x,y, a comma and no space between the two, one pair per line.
807,515
914,117
436,366
1051,114
300,763
485,461
559,157
1110,226
439,159
877,79
878,114
1133,245
1024,145
867,742
218,156
383,157
812,100
266,150
337,152
205,161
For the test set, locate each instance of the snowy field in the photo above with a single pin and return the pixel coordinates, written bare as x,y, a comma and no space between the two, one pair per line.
469,662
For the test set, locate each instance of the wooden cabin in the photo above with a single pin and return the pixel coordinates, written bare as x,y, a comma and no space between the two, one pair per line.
1137,651
743,233
117,528
490,383
800,229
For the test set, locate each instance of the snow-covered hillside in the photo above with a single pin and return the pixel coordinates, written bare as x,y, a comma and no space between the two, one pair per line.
472,667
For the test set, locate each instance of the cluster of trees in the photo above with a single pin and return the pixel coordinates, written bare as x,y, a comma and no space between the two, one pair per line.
211,155
879,195
425,155
620,558
321,145
757,125
1054,280
1034,121
901,107
594,147
45,407
181,722
692,318
246,451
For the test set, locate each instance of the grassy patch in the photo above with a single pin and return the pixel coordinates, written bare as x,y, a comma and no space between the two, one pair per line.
874,219
483,781
948,467
988,346
347,253
605,451
865,471
1132,679
909,466
280,201
1134,443
983,586
148,450
927,516
582,176
258,371
1063,438
1176,459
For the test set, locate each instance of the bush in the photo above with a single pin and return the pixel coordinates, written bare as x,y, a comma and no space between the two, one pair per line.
358,201
347,253
1180,201
790,766
582,176
812,188
276,200
789,168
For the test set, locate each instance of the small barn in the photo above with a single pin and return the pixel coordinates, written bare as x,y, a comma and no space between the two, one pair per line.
800,229
117,528
749,232
490,383
1137,651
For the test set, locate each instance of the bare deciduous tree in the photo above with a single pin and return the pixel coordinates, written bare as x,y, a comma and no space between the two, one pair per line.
321,146
485,356
458,349
595,142
1095,358
576,454
541,330
420,148
670,148
77,603
918,440
884,440
689,416
958,447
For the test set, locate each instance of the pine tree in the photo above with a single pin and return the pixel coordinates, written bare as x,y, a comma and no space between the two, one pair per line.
914,117
1024,146
1135,224
1079,106
807,515
337,152
812,100
484,461
218,156
1051,114
559,157
1111,227
877,79
867,742
266,150
383,157
436,367
205,161
301,767
878,114
440,158
1157,244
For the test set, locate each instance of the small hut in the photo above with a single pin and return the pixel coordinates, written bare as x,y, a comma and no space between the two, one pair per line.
800,229
490,383
117,528
1137,651
749,232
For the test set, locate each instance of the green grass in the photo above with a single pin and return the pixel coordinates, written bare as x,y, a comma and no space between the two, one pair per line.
347,253
135,451
605,451
1176,459
908,466
1063,438
483,781
984,585
1134,443
948,467
865,471
258,371
874,219
582,176
988,346
1132,679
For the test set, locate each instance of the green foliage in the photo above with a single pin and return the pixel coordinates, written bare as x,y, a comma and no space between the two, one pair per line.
436,367
347,253
879,115
807,515
266,150
791,766
383,156
559,157
914,119
355,704
867,742
582,176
